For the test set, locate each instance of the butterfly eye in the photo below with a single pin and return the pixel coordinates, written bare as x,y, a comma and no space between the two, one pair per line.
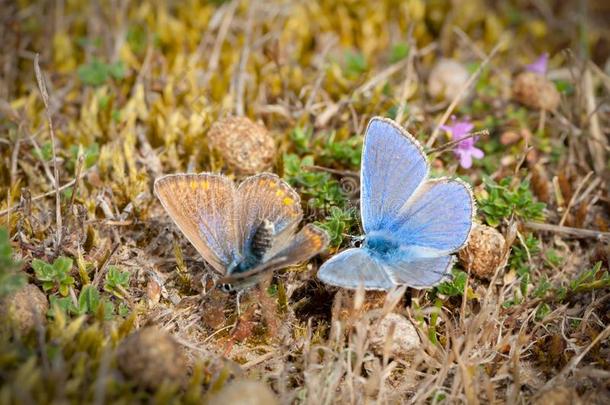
357,242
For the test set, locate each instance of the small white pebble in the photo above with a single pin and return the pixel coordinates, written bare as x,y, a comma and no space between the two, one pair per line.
405,340
446,79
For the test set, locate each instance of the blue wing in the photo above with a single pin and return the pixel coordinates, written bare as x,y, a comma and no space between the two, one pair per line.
436,221
203,207
353,268
393,166
421,273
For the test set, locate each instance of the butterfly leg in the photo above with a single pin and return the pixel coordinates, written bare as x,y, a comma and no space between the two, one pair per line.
237,298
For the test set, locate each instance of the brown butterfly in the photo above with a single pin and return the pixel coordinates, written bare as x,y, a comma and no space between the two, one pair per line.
241,232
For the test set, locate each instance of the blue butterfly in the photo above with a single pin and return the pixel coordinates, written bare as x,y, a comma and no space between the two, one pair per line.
241,232
412,223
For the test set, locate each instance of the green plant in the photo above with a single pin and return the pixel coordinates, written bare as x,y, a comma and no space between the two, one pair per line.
89,302
552,258
11,278
455,287
338,223
56,275
90,155
318,189
542,288
506,198
45,152
136,38
355,63
399,51
592,279
116,282
542,311
301,138
96,72
346,152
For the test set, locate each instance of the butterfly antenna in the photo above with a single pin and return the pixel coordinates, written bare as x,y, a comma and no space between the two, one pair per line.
344,173
450,144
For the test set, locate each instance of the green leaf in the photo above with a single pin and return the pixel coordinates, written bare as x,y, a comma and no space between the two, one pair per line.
123,310
11,277
355,63
56,275
97,73
64,290
399,51
63,304
88,300
117,70
347,152
116,281
136,38
337,224
45,152
455,287
90,156
507,198
543,310
62,265
44,271
300,138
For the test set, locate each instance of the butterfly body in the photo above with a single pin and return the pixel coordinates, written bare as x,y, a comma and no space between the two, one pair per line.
381,246
254,252
242,232
412,223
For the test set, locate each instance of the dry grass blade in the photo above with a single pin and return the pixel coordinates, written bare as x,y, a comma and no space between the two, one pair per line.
45,98
576,232
599,142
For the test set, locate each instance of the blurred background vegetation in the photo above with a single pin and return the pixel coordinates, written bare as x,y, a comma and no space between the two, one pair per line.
133,90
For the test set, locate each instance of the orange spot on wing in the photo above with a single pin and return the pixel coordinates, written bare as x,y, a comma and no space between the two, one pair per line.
288,201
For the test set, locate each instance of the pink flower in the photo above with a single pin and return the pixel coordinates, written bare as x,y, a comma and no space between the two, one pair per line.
540,65
465,149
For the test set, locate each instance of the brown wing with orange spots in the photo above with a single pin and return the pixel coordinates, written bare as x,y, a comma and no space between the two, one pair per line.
266,196
204,207
310,241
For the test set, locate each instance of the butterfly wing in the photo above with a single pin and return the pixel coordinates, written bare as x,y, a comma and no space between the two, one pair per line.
267,197
421,273
307,243
393,167
437,220
353,268
203,207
